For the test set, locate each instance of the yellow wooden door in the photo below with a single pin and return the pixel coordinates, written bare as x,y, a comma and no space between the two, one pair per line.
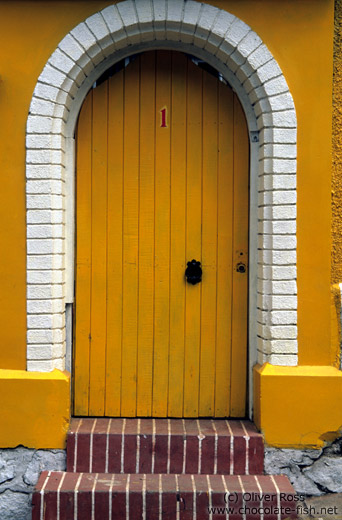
162,178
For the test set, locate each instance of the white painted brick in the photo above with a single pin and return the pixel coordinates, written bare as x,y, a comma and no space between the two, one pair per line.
45,246
59,363
251,83
278,135
45,141
40,366
46,276
268,165
144,12
284,242
289,287
262,358
47,92
236,32
244,72
224,50
44,201
74,50
268,272
45,352
77,75
218,31
261,107
159,10
280,242
277,197
45,157
44,125
35,171
234,61
282,102
98,27
259,57
113,20
283,359
262,316
41,292
207,18
174,13
277,257
283,212
286,346
249,44
223,23
37,216
284,302
269,71
283,227
44,108
190,19
257,93
278,182
283,317
264,302
286,151
53,77
45,306
145,19
130,20
41,336
45,231
283,331
87,40
53,261
46,187
46,321
285,119
61,61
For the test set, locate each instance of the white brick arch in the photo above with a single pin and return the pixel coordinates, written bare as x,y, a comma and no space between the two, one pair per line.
238,53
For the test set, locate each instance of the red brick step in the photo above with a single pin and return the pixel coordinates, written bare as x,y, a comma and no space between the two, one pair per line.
85,496
180,446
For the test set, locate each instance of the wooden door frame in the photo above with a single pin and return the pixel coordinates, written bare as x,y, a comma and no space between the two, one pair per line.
81,57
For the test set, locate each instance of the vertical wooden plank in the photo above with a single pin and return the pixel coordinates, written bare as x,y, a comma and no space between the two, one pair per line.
162,235
240,254
224,253
178,216
114,244
98,252
130,240
146,235
209,246
83,259
193,238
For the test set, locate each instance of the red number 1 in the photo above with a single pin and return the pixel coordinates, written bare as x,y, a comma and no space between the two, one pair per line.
163,114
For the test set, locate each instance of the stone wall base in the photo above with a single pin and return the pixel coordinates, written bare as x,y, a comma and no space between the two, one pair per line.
311,472
19,472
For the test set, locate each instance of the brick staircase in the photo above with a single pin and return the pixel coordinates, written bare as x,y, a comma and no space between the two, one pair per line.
163,469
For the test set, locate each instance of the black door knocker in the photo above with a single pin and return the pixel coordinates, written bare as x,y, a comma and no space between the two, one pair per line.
193,272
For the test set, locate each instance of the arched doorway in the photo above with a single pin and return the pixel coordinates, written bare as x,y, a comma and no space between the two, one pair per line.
162,179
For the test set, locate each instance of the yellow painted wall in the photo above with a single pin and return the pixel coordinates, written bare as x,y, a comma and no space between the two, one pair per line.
34,408
299,34
298,407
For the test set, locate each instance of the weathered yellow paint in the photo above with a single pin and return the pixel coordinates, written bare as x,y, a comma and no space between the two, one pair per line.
299,406
177,203
34,408
336,187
